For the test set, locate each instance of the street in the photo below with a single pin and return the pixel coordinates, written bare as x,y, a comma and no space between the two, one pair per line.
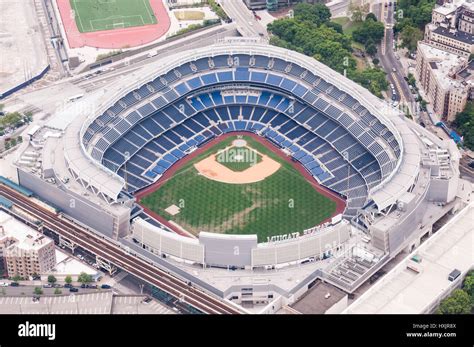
247,24
388,59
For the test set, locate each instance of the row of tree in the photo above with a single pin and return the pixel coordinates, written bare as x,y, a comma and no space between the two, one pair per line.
312,33
461,301
465,125
412,16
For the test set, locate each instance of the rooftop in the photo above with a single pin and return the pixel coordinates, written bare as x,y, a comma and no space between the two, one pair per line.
443,64
25,237
455,35
405,291
319,299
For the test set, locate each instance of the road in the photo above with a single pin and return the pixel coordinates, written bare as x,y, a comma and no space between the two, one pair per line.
54,94
388,58
121,257
246,22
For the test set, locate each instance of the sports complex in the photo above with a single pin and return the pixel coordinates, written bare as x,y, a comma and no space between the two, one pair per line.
113,23
247,157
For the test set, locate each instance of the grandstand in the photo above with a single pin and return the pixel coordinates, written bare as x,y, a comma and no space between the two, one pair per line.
346,146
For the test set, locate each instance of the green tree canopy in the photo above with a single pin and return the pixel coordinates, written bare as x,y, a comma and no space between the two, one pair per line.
410,36
465,125
52,279
316,14
369,30
457,303
68,279
84,278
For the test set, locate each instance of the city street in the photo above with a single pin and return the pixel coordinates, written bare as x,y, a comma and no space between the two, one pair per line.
388,58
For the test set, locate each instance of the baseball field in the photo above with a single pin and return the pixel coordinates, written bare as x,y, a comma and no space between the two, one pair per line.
240,186
97,15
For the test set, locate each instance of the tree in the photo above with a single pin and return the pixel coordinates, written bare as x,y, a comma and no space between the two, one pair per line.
465,125
358,13
16,278
57,291
410,37
369,30
38,291
457,303
52,279
316,14
370,47
371,16
68,279
84,278
411,80
468,286
336,26
375,61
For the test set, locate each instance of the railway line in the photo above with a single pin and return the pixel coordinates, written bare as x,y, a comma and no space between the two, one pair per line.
120,257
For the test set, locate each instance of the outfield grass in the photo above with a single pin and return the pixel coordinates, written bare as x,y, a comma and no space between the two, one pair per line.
284,202
96,15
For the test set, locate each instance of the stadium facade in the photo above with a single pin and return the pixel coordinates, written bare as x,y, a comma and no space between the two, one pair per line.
398,179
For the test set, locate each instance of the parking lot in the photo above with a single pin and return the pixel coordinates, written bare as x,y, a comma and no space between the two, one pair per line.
96,303
137,305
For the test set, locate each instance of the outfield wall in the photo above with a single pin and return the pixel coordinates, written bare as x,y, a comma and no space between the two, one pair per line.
240,251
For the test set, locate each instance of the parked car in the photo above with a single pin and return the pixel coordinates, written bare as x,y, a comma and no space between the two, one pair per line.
14,284
3,284
454,274
47,285
105,286
68,285
73,290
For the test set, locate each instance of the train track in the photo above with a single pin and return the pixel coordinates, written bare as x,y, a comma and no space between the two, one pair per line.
120,257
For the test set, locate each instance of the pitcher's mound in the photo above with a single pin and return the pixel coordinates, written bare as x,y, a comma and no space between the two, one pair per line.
212,169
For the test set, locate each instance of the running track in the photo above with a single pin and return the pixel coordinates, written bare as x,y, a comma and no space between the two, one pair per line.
116,38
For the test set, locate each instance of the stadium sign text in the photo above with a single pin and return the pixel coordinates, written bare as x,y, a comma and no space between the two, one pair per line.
284,237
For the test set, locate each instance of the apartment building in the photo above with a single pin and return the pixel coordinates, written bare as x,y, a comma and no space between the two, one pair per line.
24,250
445,77
452,27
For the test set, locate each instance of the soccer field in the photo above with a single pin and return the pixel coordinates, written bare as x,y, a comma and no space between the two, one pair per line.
96,15
283,202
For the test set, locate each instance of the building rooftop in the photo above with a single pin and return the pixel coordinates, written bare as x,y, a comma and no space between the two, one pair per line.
25,238
455,35
320,298
410,292
443,65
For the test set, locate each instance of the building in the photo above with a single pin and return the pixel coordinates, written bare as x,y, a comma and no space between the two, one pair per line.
450,40
437,73
452,27
25,251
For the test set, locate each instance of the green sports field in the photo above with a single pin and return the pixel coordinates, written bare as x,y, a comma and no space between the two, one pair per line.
282,203
96,15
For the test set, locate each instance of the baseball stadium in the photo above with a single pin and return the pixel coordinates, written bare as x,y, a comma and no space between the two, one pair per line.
247,157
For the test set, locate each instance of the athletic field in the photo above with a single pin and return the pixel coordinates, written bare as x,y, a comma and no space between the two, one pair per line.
281,203
97,15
